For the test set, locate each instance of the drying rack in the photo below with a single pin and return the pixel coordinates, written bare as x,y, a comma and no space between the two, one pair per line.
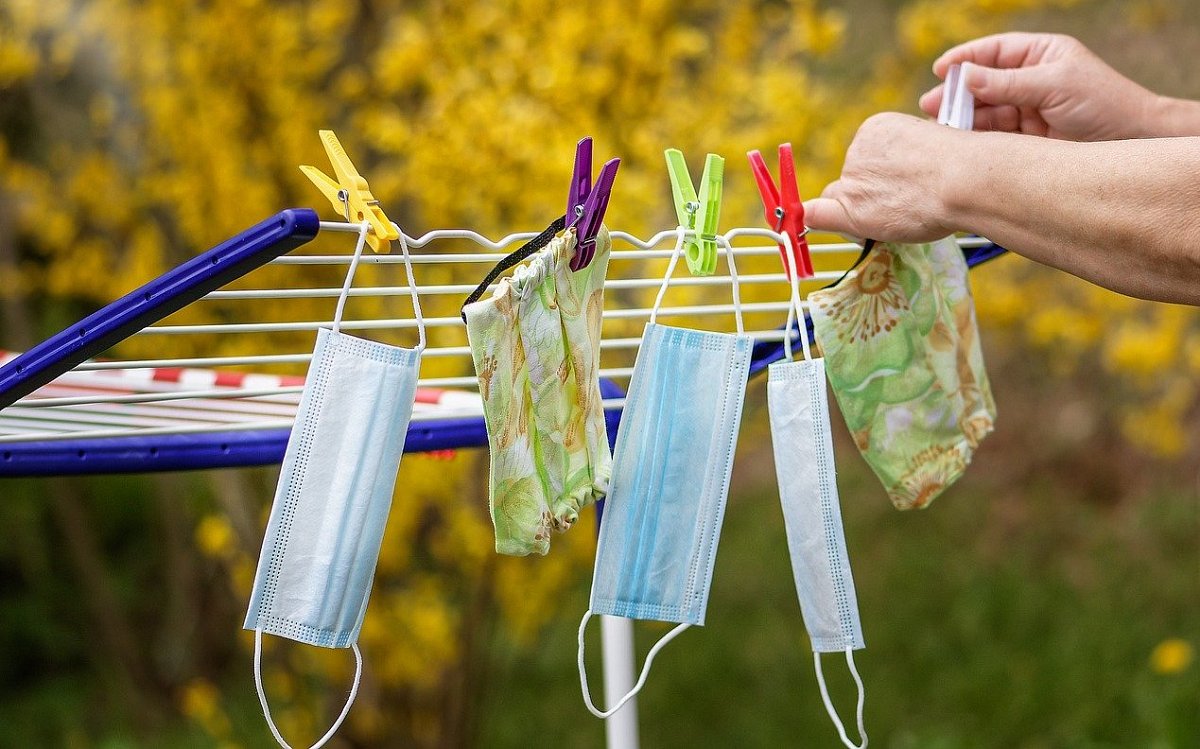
95,399
64,409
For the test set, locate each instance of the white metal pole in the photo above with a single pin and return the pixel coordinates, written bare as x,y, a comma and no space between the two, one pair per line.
616,643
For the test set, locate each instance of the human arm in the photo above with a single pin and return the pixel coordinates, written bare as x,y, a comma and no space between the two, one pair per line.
1174,118
1052,85
1122,214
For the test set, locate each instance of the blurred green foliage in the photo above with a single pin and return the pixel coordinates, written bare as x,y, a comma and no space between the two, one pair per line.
1001,623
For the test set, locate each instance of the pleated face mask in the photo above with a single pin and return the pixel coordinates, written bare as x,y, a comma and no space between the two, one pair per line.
674,453
804,464
902,352
335,489
536,348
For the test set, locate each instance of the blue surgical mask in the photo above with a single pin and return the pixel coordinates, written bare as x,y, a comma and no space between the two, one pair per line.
335,490
671,468
799,412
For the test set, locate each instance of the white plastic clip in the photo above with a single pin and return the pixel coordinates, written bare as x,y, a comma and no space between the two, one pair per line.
958,105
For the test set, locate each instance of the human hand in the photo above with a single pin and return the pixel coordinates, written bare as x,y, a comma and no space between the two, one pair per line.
1049,85
894,182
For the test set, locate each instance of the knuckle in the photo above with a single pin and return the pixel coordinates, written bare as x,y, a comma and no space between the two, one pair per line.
1066,42
875,121
882,121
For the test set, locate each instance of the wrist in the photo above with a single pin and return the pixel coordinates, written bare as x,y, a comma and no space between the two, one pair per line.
990,173
1168,117
960,181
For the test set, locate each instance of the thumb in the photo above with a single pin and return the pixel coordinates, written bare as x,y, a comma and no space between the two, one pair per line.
827,214
1021,87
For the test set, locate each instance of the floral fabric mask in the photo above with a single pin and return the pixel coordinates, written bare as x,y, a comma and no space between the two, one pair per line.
536,347
902,352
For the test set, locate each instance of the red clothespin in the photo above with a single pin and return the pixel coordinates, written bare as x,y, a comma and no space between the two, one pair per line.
784,211
586,204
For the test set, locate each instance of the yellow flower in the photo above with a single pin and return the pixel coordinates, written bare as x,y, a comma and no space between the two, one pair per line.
214,536
201,701
18,60
1172,656
1142,349
1155,428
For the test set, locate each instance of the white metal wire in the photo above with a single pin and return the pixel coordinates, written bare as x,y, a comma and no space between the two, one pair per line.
117,396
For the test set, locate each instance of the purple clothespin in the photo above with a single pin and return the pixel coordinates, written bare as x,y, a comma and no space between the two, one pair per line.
586,205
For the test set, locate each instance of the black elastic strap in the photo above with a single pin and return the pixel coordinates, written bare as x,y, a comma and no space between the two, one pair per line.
866,250
512,259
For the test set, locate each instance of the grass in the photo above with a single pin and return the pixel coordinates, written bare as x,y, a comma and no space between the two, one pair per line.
1016,613
1026,633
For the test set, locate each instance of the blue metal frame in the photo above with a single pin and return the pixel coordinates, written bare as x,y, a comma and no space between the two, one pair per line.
170,292
182,452
169,452
188,282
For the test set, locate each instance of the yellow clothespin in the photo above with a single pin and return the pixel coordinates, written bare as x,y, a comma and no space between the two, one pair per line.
351,196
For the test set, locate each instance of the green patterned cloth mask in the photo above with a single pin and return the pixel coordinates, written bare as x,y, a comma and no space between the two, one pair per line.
536,346
902,352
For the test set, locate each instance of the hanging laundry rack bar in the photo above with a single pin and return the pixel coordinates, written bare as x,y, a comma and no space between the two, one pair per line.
138,413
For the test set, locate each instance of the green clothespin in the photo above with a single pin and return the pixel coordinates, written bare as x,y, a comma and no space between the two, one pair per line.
698,213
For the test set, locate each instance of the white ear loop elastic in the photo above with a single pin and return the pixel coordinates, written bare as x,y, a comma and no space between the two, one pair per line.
412,284
733,282
262,695
733,277
837,722
680,232
641,682
363,228
412,287
795,309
